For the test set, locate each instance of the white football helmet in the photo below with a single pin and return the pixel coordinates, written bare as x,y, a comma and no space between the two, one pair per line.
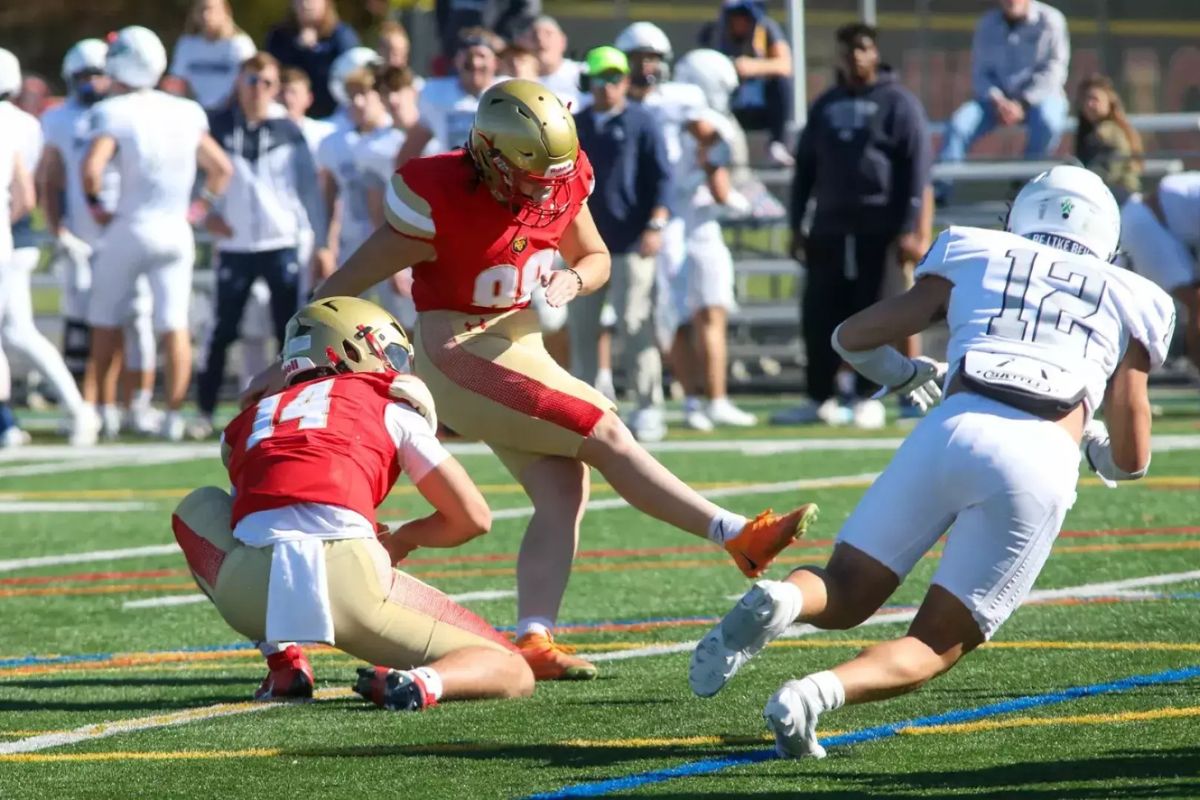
1070,202
713,72
645,37
353,59
136,57
10,73
84,55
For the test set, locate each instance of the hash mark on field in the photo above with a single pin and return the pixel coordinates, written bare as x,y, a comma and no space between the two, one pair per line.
188,599
66,507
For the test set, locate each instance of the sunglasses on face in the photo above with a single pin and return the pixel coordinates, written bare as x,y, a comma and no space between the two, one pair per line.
610,78
254,81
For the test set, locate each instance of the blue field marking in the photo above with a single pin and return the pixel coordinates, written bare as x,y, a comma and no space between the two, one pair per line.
30,661
710,765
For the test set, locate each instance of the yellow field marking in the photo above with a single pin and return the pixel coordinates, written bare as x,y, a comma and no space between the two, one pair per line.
26,733
1126,547
153,755
1079,719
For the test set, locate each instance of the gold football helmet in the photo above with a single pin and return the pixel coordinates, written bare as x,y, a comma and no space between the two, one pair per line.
525,147
343,334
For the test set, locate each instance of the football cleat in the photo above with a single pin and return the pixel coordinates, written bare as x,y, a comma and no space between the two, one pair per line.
551,661
393,689
765,537
760,616
290,676
791,714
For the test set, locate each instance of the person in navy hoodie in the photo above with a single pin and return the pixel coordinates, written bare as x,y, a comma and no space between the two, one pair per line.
311,38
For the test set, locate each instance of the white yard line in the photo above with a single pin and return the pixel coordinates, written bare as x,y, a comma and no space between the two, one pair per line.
84,558
70,506
1117,588
189,599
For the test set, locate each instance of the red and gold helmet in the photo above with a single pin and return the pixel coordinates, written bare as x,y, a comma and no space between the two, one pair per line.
525,147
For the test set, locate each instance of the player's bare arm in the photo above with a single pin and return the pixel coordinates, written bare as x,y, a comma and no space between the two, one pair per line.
382,255
98,156
218,171
22,197
1120,449
886,321
587,258
460,512
51,182
414,145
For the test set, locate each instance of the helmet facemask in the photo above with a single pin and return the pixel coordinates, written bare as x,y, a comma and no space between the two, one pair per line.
536,200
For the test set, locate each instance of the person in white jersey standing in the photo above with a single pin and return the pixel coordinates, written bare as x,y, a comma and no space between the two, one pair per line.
545,38
16,199
18,334
156,141
1043,331
210,53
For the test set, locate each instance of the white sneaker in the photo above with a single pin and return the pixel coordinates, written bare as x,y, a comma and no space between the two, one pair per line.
792,715
829,413
760,616
648,425
605,386
145,421
779,153
694,416
200,429
723,412
869,415
13,438
110,422
173,427
85,429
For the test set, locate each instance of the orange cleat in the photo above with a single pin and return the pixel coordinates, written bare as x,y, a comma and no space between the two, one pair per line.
766,536
551,661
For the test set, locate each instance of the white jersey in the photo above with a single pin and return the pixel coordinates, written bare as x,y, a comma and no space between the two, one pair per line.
336,155
447,110
694,201
67,128
315,131
8,154
157,136
1016,297
1179,197
564,82
675,105
25,131
375,154
210,66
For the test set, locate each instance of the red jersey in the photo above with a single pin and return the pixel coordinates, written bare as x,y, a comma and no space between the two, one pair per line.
321,441
488,260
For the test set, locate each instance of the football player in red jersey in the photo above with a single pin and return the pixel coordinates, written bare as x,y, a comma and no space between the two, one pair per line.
479,226
294,554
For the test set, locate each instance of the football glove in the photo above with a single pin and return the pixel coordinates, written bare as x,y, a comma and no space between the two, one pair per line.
412,390
1097,448
924,388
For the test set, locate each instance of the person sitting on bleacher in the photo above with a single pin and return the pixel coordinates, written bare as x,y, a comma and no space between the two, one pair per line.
1019,63
1105,142
864,158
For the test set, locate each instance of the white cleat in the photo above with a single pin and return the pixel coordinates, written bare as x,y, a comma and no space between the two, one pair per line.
791,714
723,412
173,427
648,425
869,415
145,421
760,616
85,429
694,416
13,438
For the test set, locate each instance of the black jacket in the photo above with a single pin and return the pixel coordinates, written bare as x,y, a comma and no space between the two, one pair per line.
865,157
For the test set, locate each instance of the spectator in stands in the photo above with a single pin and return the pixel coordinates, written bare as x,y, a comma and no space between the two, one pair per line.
505,17
272,197
518,61
210,53
763,59
447,105
311,38
297,97
633,183
1105,142
545,38
34,96
393,44
1018,70
864,157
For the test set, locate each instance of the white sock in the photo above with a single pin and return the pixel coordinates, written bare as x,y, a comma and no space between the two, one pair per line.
826,688
796,596
539,625
432,681
692,403
269,649
603,377
141,399
725,526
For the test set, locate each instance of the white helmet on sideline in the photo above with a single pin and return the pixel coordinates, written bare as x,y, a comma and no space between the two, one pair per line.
136,57
353,59
10,73
86,54
713,72
1071,203
645,37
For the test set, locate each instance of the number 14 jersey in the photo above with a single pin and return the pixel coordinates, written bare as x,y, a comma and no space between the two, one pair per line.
487,259
1016,297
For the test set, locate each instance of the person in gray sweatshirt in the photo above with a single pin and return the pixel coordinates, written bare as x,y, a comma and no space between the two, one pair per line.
1019,61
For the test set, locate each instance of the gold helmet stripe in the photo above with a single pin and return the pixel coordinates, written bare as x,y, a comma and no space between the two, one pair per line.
407,211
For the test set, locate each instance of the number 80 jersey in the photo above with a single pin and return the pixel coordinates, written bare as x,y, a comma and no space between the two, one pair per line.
1016,297
487,259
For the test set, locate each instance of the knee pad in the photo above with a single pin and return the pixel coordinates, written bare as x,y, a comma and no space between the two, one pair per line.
77,339
203,529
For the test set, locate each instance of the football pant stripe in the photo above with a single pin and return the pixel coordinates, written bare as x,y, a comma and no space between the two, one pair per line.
422,598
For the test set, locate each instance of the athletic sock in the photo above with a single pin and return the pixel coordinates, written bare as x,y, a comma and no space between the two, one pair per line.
725,526
269,649
826,689
141,400
432,682
539,625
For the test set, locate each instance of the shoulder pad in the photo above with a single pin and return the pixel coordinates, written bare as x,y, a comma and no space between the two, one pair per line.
1148,312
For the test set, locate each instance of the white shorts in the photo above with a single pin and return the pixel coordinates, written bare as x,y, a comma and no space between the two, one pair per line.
705,279
1000,480
1154,251
164,252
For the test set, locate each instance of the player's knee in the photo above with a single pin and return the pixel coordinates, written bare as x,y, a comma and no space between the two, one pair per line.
612,437
522,682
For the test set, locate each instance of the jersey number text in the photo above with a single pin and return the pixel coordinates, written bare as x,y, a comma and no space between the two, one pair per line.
505,285
311,407
1058,316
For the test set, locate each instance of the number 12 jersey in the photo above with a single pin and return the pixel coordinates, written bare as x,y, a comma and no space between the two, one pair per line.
1015,297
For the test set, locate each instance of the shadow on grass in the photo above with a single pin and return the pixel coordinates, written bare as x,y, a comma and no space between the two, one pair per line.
85,683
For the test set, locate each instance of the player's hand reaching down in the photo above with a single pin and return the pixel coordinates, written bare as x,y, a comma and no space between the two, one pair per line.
562,286
924,388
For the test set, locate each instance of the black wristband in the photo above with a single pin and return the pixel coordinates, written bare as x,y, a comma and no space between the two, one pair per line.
93,200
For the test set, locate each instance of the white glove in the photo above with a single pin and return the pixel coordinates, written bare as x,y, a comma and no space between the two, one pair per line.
412,390
924,388
1097,449
737,205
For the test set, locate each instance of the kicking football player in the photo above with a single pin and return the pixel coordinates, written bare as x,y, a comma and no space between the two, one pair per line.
156,142
480,226
1043,330
1161,233
293,555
